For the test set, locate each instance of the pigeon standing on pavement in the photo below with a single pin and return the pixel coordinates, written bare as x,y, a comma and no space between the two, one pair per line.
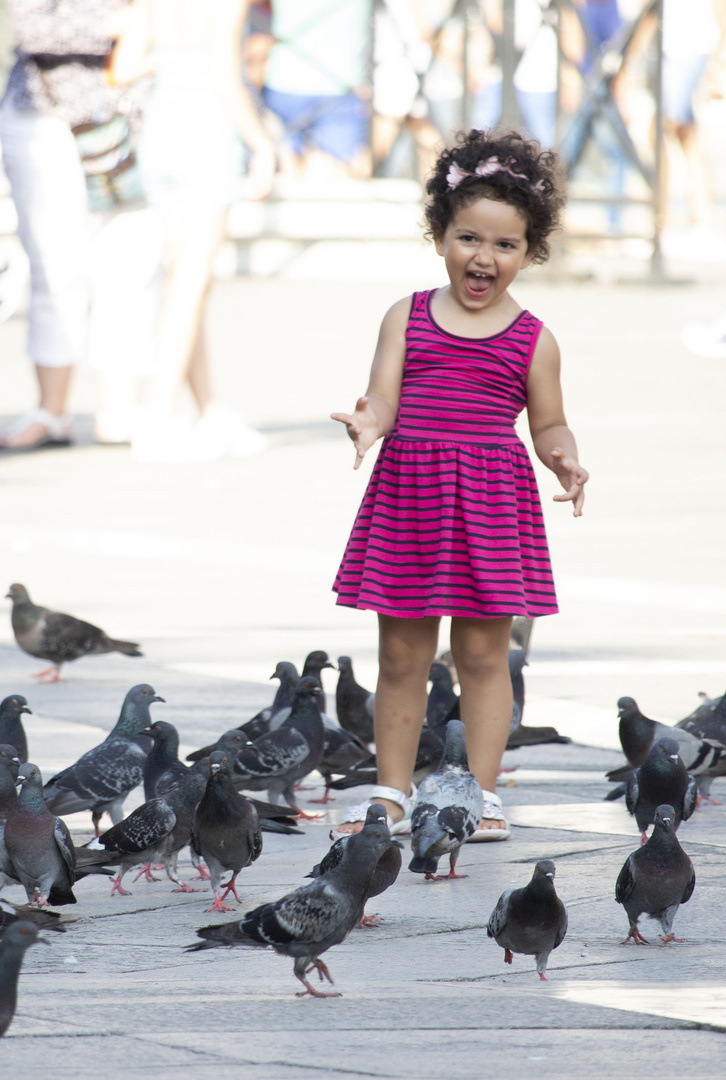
41,918
102,778
278,760
51,635
225,830
19,937
162,766
36,847
532,920
9,765
305,923
387,870
707,722
342,751
662,778
354,704
154,832
314,664
517,659
702,758
11,726
449,807
656,879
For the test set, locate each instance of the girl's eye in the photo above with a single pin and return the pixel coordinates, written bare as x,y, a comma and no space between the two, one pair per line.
506,244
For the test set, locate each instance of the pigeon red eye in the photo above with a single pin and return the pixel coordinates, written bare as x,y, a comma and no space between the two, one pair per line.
143,691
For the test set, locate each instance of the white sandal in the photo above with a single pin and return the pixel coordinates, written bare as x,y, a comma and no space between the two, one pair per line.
58,430
493,811
380,791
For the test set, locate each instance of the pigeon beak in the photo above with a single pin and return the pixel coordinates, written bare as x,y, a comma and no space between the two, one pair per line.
157,698
328,664
146,731
674,757
549,875
24,708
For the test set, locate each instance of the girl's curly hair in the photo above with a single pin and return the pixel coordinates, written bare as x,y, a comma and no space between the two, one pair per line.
539,197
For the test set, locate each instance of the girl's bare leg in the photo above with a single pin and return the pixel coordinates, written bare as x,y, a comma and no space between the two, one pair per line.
480,648
200,382
406,650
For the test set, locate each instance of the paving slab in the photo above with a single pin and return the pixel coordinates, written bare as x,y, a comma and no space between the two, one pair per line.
221,570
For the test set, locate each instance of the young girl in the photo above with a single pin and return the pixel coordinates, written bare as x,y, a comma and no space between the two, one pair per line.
451,522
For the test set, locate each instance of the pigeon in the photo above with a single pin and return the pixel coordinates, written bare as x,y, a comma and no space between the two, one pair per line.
305,923
703,759
40,917
162,767
449,807
353,703
386,872
443,702
259,725
60,638
516,659
19,937
661,777
277,760
532,920
314,664
9,765
225,830
36,847
428,755
707,722
656,879
11,727
102,778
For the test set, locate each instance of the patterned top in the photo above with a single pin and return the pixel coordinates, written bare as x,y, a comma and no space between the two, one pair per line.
61,32
468,371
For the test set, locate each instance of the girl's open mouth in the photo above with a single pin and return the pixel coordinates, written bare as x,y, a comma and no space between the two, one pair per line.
478,284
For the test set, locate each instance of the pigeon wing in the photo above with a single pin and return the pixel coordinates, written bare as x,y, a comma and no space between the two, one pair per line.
498,918
66,847
272,755
626,881
689,799
632,791
309,914
141,830
562,928
110,769
68,636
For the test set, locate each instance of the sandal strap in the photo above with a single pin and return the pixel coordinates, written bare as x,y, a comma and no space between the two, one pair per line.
392,794
56,426
493,808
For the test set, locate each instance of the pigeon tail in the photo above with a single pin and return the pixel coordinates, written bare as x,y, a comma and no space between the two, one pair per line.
128,648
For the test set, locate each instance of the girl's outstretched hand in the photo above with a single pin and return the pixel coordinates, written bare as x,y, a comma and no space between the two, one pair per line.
362,425
573,478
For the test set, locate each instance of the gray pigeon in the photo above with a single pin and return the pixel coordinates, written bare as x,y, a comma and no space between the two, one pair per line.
449,807
314,664
708,722
656,879
443,701
60,638
225,830
19,937
532,920
354,704
9,765
386,872
162,767
36,847
11,727
102,778
662,778
305,923
278,760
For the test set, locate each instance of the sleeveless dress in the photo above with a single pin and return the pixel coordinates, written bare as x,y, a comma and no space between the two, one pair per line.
451,522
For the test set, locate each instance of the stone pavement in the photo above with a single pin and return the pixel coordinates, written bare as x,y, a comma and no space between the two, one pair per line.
222,570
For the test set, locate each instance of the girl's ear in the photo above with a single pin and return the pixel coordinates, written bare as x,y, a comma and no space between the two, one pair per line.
439,243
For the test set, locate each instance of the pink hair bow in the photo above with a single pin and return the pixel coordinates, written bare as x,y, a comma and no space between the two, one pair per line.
486,168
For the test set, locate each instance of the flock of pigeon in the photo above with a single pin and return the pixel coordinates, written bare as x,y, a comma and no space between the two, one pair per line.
208,806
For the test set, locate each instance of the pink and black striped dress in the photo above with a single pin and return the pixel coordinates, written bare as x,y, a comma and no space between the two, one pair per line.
451,522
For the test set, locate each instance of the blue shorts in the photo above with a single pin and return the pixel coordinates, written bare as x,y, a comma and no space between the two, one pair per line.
337,124
681,76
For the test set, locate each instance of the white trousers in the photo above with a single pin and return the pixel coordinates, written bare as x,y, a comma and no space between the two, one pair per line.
94,279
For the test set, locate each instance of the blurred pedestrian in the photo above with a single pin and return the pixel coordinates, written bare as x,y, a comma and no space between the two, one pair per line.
57,86
191,159
316,84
